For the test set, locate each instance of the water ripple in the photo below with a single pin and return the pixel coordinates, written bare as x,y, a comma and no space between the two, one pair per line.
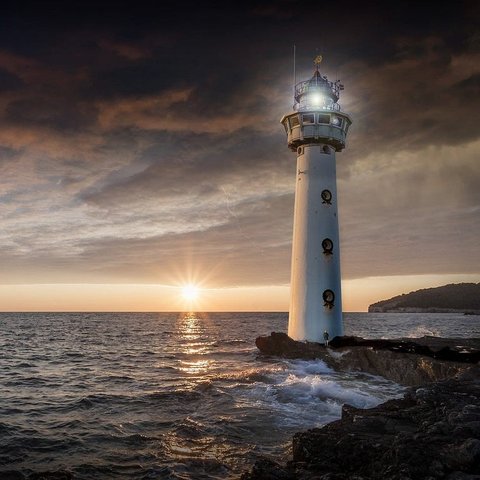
171,396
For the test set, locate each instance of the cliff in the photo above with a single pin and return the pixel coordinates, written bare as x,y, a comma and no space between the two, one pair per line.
461,297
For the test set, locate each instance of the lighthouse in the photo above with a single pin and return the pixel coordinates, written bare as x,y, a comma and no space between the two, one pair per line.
316,129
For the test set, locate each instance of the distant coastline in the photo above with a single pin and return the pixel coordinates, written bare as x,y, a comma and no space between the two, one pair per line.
452,298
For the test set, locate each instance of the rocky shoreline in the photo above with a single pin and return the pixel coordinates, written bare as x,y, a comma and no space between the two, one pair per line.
432,433
406,361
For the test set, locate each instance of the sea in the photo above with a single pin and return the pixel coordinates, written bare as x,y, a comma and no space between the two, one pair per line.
173,395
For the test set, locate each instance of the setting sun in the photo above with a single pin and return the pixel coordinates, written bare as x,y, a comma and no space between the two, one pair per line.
190,292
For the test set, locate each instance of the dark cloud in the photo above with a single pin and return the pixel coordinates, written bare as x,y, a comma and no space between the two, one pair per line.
55,113
203,163
9,81
135,138
128,80
7,154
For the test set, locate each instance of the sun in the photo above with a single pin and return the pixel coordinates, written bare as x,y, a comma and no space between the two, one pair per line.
190,292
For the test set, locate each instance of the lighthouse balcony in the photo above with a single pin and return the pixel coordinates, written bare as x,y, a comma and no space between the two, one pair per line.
322,127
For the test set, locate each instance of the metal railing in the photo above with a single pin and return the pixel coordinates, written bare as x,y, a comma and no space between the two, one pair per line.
331,89
304,106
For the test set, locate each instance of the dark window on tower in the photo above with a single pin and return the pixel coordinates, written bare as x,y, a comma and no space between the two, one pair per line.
294,121
308,118
322,118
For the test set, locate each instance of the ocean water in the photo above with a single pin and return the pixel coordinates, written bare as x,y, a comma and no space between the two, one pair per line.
172,395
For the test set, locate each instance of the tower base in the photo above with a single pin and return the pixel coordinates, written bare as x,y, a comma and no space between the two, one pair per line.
316,299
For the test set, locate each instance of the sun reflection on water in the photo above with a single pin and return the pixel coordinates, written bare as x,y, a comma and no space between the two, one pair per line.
194,345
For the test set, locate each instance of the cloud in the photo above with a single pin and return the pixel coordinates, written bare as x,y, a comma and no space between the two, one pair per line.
9,81
416,213
123,49
414,100
133,154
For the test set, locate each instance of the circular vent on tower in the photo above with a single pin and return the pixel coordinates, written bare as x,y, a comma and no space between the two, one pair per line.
327,246
327,197
328,298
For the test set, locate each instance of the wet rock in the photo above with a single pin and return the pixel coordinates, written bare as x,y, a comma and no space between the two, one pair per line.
448,349
466,454
266,469
11,475
57,475
462,476
410,438
404,361
281,345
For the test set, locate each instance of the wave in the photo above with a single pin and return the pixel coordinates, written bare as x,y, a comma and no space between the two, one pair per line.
25,365
233,342
94,400
310,367
422,331
31,382
252,375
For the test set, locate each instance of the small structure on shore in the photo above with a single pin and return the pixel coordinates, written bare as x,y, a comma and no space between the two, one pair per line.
316,130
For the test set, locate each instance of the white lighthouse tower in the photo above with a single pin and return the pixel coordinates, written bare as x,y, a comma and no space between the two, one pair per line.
316,130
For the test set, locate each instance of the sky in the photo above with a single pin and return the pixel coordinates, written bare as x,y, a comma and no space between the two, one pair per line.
141,150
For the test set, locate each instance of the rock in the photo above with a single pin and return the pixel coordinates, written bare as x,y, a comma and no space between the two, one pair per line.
409,438
403,361
462,476
452,349
432,433
281,345
467,454
266,469
12,475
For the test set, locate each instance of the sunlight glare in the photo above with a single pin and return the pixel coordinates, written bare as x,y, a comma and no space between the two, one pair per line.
190,292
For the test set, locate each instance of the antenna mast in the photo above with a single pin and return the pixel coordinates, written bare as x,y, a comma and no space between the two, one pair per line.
294,69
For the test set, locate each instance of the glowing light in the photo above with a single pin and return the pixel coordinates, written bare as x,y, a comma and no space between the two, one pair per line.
190,292
316,99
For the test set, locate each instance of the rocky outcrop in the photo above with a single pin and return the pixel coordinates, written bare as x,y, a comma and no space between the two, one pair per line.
281,345
407,369
452,298
465,311
432,433
405,361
